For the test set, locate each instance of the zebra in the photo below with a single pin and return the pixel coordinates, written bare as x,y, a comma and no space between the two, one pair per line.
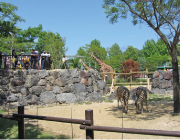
123,93
141,94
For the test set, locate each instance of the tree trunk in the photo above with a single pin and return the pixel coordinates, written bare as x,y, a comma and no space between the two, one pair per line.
175,84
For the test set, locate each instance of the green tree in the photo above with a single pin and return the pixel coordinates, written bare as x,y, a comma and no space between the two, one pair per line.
114,50
162,16
97,49
115,57
8,19
55,45
131,52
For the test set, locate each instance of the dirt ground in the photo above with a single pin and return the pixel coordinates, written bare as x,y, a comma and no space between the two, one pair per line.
159,117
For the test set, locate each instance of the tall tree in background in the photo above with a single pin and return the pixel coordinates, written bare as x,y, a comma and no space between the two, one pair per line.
131,52
115,56
55,45
8,19
162,16
97,49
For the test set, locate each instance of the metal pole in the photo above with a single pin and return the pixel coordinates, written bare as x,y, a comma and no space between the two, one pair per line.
89,116
21,130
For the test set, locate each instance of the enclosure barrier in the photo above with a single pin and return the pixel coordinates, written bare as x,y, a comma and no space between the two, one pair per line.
131,77
86,124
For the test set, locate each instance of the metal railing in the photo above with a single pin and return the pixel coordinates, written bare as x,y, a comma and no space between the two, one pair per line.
20,63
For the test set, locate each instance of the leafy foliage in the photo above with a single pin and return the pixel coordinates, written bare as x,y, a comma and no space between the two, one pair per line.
130,65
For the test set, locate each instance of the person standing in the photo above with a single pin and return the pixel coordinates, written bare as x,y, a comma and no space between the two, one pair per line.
64,60
33,59
16,58
0,59
42,60
7,63
13,61
5,55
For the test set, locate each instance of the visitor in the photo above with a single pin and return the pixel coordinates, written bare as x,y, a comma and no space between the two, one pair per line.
20,59
33,59
16,58
13,62
5,55
7,63
42,60
0,59
64,60
25,62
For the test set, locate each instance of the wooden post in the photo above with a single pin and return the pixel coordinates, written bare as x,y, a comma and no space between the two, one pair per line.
147,78
130,78
89,116
21,130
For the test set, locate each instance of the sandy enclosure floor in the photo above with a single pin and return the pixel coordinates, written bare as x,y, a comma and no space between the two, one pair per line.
107,114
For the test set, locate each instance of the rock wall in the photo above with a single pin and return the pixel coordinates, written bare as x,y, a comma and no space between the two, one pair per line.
162,82
47,87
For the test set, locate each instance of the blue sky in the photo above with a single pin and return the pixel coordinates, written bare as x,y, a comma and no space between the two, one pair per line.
80,22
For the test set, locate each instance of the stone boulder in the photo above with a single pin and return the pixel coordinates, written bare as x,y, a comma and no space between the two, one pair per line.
66,98
167,75
48,97
43,74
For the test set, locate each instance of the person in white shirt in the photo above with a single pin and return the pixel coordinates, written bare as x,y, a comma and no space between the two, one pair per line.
64,60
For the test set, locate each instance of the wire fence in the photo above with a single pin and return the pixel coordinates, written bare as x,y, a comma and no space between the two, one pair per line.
158,117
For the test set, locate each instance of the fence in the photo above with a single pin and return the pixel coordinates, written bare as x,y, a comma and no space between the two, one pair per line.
130,74
86,125
23,62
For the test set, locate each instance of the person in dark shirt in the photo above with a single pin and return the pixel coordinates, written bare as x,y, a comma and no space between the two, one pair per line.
0,59
33,59
5,55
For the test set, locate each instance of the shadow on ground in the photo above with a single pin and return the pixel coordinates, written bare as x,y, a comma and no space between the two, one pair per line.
9,130
155,110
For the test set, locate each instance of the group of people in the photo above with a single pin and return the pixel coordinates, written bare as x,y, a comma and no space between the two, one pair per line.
33,61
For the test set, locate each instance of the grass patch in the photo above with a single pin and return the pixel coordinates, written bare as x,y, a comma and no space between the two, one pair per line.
9,130
86,103
107,101
155,98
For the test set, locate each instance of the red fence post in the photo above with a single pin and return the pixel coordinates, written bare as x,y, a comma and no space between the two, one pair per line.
21,130
89,116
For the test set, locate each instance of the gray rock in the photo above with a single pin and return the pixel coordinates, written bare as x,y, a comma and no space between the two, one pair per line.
32,99
42,82
155,83
54,73
95,97
24,91
66,98
56,90
66,89
158,91
15,89
81,97
79,88
22,101
43,74
101,85
12,98
18,81
31,80
169,92
48,97
61,82
37,90
64,73
48,87
74,73
50,80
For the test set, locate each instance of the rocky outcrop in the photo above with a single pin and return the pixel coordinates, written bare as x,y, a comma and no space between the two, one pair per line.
47,87
162,82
